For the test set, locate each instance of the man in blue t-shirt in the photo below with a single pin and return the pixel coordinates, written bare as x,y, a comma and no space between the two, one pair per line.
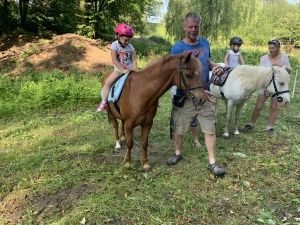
184,116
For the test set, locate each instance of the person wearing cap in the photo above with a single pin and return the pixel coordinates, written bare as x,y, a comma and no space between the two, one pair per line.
274,58
123,57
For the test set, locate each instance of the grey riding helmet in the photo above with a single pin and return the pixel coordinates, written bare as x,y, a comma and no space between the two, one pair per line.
236,41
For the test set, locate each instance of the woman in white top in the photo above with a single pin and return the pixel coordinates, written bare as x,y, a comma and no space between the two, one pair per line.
274,58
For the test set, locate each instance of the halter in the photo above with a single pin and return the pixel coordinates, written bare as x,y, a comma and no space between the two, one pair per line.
277,93
187,88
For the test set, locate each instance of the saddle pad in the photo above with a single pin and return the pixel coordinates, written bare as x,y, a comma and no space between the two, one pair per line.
220,81
116,89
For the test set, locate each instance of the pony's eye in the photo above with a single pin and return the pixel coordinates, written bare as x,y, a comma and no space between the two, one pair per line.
281,84
190,76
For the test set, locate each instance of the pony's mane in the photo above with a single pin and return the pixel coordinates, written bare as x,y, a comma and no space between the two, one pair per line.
194,63
252,77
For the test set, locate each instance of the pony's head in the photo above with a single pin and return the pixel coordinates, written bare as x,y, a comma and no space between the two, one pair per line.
278,85
189,80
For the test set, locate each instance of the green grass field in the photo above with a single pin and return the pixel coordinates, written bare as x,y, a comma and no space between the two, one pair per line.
62,169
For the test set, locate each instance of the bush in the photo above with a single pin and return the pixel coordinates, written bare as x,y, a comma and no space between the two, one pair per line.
48,91
148,48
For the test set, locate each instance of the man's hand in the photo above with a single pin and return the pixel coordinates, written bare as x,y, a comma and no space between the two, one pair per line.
218,70
210,96
266,93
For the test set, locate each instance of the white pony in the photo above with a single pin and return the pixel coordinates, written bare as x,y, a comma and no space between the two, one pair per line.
243,81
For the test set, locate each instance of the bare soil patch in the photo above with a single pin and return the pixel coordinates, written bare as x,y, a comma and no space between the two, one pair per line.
62,52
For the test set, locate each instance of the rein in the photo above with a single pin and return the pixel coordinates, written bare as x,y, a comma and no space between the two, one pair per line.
214,75
277,93
187,88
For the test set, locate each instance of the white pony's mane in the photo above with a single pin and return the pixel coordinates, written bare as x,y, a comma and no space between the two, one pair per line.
252,77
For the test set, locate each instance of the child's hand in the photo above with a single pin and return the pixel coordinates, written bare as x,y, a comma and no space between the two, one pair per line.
125,71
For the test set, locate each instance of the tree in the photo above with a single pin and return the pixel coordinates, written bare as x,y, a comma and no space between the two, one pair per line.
8,15
23,4
274,19
255,21
288,27
218,17
104,15
88,17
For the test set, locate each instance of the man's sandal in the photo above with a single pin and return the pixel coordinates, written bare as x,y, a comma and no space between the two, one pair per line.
174,159
246,128
216,169
197,145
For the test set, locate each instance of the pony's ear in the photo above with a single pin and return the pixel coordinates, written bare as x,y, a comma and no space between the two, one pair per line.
197,54
275,69
188,57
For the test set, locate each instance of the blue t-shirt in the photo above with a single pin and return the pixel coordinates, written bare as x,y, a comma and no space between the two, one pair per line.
204,48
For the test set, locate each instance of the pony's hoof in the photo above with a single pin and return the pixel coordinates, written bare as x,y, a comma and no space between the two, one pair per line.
236,133
127,165
146,167
123,143
118,145
147,170
117,149
226,136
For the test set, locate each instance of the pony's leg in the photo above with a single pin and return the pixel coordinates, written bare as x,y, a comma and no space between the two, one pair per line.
237,117
145,136
123,137
116,129
129,143
229,107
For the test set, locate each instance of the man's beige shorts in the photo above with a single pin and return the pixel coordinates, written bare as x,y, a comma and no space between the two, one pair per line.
183,117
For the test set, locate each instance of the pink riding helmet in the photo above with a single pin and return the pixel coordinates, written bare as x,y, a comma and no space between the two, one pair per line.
124,30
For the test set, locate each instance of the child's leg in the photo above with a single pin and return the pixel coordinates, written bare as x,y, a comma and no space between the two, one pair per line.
106,88
107,85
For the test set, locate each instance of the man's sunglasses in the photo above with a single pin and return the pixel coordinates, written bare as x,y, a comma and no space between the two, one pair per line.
274,42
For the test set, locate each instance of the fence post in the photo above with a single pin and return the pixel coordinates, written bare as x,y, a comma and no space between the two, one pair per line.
294,84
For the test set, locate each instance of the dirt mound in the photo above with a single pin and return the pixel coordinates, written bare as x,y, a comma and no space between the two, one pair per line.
62,52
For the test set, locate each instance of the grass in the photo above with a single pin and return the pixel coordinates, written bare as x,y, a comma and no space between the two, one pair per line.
62,169
58,163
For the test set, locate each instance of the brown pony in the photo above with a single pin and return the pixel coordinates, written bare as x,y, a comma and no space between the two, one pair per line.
138,101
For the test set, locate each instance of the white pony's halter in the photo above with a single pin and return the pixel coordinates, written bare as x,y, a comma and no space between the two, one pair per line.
277,93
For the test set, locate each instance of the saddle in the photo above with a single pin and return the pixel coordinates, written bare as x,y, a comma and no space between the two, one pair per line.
220,81
116,88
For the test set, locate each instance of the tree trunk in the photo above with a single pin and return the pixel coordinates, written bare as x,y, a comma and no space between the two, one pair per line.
23,4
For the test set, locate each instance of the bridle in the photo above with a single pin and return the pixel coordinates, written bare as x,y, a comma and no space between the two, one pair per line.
187,88
277,93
